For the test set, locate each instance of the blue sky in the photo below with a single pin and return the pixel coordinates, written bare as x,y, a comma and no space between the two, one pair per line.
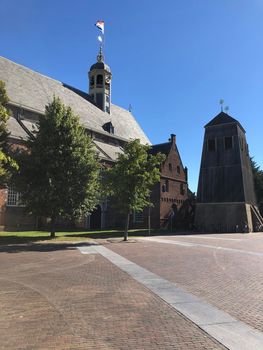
171,60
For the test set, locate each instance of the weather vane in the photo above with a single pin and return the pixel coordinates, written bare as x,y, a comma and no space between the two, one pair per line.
226,109
221,102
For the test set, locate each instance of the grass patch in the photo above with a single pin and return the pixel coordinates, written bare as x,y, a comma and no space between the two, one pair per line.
21,237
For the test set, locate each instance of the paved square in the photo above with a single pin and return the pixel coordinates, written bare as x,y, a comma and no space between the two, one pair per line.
224,270
54,297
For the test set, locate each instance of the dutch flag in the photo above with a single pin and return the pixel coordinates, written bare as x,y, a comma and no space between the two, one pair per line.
100,25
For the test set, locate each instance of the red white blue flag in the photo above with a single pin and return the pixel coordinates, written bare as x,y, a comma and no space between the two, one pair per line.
100,26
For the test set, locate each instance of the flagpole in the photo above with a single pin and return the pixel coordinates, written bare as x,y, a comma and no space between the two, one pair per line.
101,38
104,44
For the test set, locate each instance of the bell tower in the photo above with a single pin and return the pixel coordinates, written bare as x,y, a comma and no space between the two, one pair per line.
226,200
100,83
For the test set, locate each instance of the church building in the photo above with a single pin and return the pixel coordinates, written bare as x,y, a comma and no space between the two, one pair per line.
109,126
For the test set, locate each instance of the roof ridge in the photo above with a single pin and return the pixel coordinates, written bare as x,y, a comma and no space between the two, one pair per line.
32,70
159,144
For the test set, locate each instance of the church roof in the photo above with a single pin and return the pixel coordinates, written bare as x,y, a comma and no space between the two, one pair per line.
34,91
222,118
110,151
163,148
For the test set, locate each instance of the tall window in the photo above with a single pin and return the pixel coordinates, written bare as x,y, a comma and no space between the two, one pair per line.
211,145
170,167
14,198
228,142
178,169
167,185
99,79
182,189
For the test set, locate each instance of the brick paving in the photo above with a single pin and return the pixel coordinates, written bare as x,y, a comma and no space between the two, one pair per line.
52,297
247,242
233,282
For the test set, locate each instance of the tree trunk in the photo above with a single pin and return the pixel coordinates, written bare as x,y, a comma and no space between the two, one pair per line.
127,227
53,227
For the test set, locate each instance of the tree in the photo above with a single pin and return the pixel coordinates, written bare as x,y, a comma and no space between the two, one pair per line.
58,174
258,182
131,179
7,163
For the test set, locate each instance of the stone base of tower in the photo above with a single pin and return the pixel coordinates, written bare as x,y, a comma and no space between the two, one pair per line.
224,217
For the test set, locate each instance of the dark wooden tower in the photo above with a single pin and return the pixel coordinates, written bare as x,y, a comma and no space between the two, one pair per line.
226,200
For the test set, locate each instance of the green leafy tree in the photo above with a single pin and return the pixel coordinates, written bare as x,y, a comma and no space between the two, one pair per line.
258,182
58,174
7,163
131,179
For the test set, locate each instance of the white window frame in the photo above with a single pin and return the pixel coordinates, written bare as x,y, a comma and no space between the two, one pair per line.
13,198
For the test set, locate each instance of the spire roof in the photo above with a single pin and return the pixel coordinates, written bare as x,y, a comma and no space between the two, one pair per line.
222,118
100,57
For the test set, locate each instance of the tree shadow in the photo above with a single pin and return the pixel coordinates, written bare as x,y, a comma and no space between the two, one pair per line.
42,247
44,243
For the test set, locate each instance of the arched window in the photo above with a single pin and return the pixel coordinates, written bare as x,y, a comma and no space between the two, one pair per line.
178,169
91,81
170,166
99,79
167,185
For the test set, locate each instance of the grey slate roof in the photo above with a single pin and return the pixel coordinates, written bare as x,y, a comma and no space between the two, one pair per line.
16,130
33,90
104,150
110,151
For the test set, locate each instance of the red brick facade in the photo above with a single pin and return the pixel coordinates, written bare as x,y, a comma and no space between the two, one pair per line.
171,193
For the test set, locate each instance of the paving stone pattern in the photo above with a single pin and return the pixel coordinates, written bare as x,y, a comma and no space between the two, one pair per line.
233,282
52,297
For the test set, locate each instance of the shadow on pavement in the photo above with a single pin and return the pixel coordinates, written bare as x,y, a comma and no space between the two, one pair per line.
41,247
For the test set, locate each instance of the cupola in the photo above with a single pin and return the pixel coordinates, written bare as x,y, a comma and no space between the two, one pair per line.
100,83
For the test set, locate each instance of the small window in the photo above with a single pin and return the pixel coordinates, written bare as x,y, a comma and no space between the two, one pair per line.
211,145
228,142
108,127
167,185
138,216
182,189
99,79
178,169
170,167
14,198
